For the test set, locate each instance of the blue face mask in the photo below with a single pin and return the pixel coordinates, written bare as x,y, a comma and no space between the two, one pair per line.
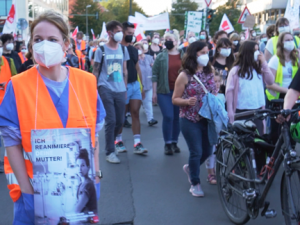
202,37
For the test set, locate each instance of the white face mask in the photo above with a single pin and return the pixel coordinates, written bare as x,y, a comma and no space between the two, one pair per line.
155,41
24,50
47,53
118,36
10,46
20,39
235,42
101,43
289,45
256,53
253,34
146,47
140,52
263,39
242,38
203,60
225,52
192,39
1,51
284,29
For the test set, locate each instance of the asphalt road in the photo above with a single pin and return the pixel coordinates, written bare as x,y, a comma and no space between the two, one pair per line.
153,189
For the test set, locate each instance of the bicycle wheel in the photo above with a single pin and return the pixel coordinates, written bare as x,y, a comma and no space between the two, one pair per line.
233,203
290,197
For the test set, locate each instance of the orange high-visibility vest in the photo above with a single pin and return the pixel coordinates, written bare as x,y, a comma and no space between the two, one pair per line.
80,59
82,45
22,57
185,44
5,75
47,115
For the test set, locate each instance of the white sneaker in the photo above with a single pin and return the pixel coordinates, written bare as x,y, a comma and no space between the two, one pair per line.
112,158
196,190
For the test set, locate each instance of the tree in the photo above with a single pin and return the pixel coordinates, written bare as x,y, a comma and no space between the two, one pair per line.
179,8
232,13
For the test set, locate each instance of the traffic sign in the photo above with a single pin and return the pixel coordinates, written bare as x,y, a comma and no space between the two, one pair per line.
244,15
208,2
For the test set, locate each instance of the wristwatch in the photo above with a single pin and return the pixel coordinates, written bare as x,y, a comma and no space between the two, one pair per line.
99,174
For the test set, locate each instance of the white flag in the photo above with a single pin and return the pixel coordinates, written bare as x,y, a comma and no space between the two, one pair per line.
10,25
226,25
104,32
292,14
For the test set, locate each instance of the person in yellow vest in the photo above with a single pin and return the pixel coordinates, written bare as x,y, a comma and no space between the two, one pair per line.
284,65
282,25
54,97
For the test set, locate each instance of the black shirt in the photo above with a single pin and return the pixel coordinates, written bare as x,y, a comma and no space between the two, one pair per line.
296,82
26,66
134,58
152,53
217,65
15,57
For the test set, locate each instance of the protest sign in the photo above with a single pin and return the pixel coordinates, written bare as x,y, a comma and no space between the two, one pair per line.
193,21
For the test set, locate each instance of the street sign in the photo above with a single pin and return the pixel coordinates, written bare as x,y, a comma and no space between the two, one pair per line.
208,2
244,15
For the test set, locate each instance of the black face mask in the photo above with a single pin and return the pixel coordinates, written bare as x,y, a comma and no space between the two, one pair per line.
128,38
169,45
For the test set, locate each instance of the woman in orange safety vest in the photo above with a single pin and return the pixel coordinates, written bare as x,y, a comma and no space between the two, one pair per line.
47,96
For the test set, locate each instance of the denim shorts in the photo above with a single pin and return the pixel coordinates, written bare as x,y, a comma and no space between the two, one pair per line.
133,91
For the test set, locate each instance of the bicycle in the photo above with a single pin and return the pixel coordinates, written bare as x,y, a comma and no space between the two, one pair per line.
237,176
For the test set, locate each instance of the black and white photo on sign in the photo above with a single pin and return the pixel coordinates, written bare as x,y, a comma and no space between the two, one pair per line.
63,176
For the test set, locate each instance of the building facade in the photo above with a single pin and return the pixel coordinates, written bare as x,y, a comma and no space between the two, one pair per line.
30,9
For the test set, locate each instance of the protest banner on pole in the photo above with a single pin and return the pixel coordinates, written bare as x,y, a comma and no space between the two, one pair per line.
10,25
193,23
292,14
75,32
226,25
159,22
104,32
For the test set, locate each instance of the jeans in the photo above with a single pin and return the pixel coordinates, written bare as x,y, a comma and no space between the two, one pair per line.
24,210
147,104
170,112
196,137
114,104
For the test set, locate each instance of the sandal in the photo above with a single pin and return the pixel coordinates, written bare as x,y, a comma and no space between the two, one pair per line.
211,178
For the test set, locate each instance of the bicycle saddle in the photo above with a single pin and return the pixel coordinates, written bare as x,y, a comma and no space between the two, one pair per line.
244,126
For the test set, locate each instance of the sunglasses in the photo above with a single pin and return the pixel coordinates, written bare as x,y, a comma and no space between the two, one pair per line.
169,31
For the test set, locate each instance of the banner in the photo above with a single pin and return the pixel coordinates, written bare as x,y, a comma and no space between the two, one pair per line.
226,25
193,21
104,32
159,22
10,25
75,33
63,176
92,31
292,14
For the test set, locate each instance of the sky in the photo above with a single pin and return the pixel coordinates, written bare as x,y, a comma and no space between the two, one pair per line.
154,7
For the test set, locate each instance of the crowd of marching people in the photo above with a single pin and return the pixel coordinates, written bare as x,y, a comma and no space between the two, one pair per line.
245,72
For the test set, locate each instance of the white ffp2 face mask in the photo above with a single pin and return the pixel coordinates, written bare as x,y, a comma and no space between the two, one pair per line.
192,40
10,46
146,47
256,53
118,36
289,45
203,60
235,43
156,41
225,52
284,29
47,53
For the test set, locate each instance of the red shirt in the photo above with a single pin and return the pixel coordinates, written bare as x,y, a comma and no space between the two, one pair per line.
174,66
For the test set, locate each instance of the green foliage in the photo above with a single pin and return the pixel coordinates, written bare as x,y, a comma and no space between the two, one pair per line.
177,16
233,15
113,10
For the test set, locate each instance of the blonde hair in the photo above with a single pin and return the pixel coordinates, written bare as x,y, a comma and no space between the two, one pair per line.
234,37
54,18
139,44
175,35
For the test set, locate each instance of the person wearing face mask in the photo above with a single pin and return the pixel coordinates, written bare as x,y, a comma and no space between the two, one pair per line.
244,88
146,63
282,25
53,97
191,37
29,60
8,46
235,39
263,42
22,53
154,48
188,94
223,57
164,74
71,57
110,68
80,46
242,35
145,46
284,66
253,35
134,96
205,38
19,42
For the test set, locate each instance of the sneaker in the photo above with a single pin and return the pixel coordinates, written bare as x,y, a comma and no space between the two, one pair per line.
152,122
196,190
168,149
120,148
127,124
1,167
139,149
128,114
112,158
175,148
186,169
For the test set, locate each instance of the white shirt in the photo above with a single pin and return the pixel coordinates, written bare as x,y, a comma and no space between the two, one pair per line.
251,93
269,46
287,70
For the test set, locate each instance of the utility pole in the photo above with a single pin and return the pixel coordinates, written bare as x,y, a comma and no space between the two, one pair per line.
130,7
87,22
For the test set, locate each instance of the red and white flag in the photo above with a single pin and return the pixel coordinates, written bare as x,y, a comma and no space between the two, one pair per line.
139,34
93,34
226,25
75,32
10,25
247,34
